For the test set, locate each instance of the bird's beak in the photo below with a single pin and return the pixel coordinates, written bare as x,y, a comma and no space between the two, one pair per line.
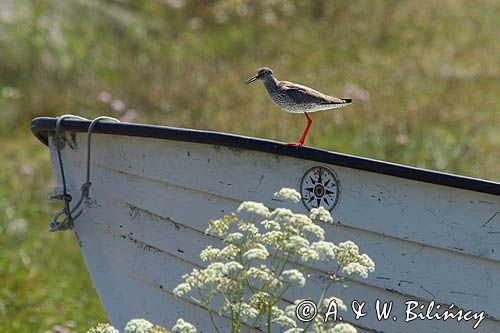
253,78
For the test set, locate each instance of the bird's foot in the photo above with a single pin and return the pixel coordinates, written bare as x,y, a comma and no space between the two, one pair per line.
296,144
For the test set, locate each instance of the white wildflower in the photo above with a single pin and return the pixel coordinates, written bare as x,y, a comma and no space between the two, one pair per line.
272,238
355,267
295,330
343,328
284,321
260,299
182,289
213,274
233,266
307,253
315,230
244,291
301,220
287,194
349,248
296,243
219,227
325,250
247,312
254,210
258,252
138,326
366,261
233,237
290,309
340,304
270,224
249,228
194,279
229,252
320,214
217,268
276,311
294,275
209,254
262,273
182,326
352,262
282,215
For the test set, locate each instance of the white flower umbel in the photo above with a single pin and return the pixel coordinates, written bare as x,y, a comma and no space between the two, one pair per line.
183,326
144,326
182,289
102,328
348,257
340,304
253,211
138,326
287,194
326,250
343,328
294,275
321,214
265,254
209,254
258,252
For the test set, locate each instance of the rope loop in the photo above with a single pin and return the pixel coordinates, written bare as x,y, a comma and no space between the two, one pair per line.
71,213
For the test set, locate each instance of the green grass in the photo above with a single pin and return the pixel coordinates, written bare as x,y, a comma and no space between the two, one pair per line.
424,76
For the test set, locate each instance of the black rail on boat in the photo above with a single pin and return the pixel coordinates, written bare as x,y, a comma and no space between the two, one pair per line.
41,127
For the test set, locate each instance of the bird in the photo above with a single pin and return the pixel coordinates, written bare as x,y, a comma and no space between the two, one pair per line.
296,98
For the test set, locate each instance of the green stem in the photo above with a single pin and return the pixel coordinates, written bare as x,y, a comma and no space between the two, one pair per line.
284,263
212,319
209,310
323,293
269,319
283,292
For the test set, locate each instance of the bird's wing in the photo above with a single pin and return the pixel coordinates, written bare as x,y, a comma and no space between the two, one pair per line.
302,94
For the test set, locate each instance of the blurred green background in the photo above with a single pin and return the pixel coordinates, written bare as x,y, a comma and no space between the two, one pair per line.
425,77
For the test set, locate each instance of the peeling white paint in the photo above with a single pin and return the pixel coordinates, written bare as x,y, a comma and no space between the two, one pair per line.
429,242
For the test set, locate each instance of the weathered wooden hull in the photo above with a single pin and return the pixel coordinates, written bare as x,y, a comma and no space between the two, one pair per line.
154,195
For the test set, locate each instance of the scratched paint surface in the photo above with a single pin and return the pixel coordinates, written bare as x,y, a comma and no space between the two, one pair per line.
155,198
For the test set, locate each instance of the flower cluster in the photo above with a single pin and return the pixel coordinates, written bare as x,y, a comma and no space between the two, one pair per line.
138,325
117,105
352,262
103,328
265,253
287,194
144,326
183,326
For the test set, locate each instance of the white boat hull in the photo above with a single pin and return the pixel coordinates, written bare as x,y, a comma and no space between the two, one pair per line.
153,199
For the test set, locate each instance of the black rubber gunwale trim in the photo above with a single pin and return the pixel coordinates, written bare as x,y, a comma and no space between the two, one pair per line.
41,127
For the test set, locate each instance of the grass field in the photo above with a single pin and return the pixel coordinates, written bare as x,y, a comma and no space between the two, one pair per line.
424,76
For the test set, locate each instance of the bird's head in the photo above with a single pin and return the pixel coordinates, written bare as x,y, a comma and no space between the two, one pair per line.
263,73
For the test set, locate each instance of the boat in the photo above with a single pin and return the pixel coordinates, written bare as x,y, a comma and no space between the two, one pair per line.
149,192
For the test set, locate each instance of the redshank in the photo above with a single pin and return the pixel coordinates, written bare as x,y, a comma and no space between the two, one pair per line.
295,98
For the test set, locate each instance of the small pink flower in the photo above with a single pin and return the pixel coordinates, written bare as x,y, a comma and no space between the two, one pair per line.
118,105
104,97
129,116
357,93
26,170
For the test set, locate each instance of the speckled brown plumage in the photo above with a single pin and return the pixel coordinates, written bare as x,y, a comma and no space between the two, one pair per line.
296,98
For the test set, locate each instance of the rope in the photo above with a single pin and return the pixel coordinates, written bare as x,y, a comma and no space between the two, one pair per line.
65,197
85,189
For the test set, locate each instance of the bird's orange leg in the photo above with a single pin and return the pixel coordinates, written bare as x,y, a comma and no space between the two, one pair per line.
303,137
